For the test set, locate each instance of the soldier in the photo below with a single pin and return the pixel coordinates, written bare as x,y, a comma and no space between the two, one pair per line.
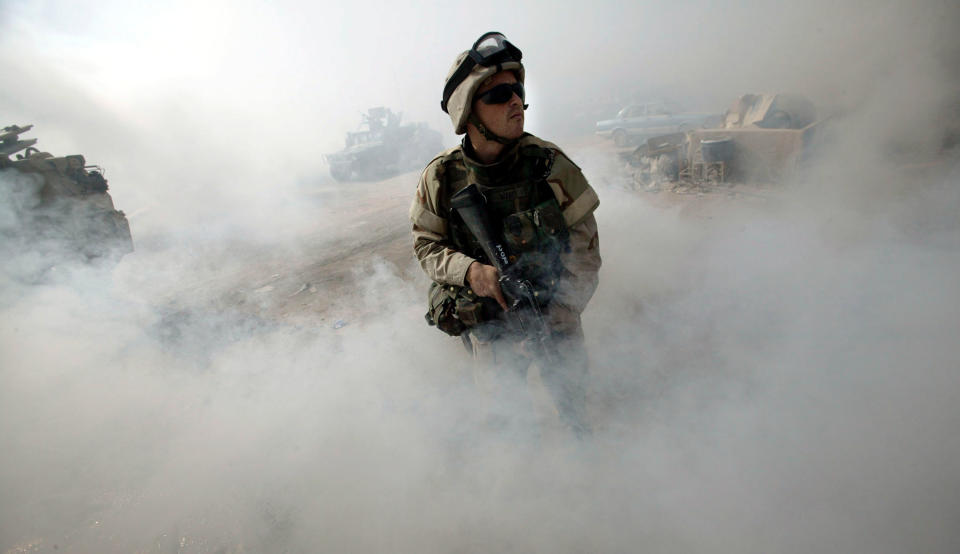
540,205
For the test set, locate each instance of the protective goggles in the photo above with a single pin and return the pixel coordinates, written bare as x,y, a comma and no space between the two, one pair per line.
502,93
490,49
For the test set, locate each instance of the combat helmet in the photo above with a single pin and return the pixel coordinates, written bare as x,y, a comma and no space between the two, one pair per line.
491,54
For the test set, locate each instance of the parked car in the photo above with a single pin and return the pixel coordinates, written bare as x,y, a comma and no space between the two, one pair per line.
640,121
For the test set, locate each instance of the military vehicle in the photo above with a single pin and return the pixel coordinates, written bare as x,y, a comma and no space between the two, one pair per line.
383,147
57,207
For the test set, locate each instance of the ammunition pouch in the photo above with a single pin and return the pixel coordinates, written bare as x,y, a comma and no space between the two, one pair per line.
454,309
442,309
542,228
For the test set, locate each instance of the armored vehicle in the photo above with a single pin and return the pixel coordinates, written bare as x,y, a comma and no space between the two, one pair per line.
55,209
383,147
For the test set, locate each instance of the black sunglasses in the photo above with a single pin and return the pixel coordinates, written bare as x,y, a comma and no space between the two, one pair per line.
502,93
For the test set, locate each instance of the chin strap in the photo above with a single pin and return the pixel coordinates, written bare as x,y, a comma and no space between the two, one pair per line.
487,133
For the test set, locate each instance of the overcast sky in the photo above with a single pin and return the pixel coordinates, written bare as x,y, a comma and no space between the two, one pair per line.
297,74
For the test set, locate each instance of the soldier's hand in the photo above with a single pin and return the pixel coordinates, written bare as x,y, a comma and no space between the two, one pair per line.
485,281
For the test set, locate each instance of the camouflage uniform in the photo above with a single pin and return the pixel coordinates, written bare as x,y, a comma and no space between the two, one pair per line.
494,349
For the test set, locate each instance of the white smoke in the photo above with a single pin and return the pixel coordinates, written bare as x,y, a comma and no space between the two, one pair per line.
770,372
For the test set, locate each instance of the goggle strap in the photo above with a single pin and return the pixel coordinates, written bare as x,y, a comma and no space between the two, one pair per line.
458,77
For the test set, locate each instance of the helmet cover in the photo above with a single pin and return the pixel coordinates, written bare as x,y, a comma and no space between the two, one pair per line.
461,100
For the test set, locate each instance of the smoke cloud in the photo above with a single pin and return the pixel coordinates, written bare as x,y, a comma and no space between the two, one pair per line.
772,369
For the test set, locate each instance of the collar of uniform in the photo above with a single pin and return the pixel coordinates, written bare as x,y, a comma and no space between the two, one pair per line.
492,173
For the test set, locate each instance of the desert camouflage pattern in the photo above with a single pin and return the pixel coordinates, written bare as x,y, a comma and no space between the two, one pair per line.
461,101
575,196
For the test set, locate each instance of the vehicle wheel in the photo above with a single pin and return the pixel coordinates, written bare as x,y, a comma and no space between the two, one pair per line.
620,137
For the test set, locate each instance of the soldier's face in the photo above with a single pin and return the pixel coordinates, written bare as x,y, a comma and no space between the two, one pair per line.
505,120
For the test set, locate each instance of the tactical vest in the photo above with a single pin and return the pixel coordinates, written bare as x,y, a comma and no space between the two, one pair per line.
520,204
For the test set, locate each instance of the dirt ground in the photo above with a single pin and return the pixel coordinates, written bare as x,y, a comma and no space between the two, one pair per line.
310,285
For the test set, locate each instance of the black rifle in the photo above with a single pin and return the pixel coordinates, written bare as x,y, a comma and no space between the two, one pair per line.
521,298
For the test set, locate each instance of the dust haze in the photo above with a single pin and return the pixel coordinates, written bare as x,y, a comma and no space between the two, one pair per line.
769,373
